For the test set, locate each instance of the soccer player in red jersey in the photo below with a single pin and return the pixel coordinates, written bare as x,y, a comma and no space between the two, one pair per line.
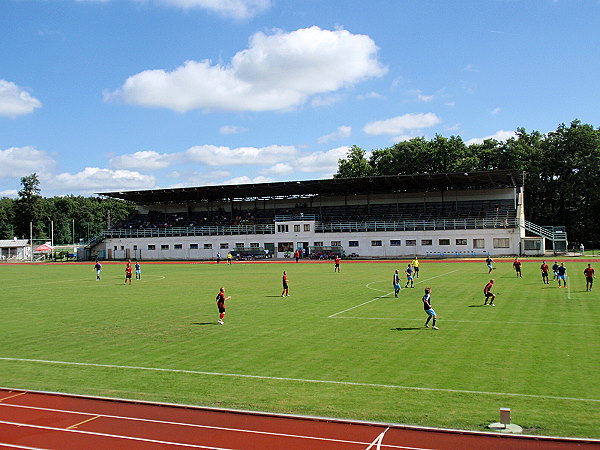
517,266
589,277
336,268
221,304
284,279
544,269
128,272
487,291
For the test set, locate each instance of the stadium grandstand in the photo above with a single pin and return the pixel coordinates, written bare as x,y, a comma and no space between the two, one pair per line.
437,215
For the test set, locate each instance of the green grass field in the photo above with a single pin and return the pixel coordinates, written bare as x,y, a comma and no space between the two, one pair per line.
339,346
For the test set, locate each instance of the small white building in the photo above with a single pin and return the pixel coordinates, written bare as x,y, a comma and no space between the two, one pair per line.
15,250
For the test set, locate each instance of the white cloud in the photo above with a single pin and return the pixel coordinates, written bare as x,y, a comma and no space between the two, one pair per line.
278,169
420,96
495,111
21,161
327,100
237,9
369,95
9,193
277,72
94,179
400,124
247,180
321,162
342,132
14,101
501,135
213,155
232,129
143,160
402,138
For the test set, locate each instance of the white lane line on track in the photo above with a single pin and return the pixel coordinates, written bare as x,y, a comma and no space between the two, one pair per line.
301,380
333,316
209,427
4,444
115,436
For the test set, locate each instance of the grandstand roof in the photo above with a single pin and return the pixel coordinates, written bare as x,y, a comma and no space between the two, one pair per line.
333,186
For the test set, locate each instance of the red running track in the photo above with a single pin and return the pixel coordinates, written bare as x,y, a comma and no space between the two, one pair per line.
58,421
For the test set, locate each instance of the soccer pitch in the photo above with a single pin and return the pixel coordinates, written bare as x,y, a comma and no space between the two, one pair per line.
340,346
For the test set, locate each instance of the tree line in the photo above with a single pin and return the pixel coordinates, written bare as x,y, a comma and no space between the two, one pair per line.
87,216
561,170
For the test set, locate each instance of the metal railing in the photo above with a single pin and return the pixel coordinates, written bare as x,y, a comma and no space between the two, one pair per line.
415,225
209,230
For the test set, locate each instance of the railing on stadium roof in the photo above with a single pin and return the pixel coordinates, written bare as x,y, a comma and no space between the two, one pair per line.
332,227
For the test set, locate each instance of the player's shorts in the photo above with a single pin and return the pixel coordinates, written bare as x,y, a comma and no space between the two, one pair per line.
98,271
128,275
589,280
397,287
430,312
488,294
337,265
138,271
544,274
562,277
221,307
409,278
285,285
489,266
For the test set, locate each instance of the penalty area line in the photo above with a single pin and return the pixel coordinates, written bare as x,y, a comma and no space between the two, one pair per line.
302,380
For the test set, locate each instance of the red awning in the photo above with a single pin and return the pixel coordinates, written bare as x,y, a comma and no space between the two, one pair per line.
44,248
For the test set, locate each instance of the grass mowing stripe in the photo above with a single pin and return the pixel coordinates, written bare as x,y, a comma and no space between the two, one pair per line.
300,380
460,320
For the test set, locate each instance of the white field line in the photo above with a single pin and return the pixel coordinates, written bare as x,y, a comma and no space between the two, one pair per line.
568,289
300,380
103,282
208,427
384,295
459,320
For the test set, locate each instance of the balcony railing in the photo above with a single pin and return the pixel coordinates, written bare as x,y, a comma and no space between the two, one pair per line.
209,230
415,225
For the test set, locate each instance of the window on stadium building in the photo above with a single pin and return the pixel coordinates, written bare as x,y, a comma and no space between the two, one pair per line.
444,242
307,227
501,242
193,246
134,248
285,246
164,247
478,243
178,246
461,242
395,242
426,242
151,247
318,244
283,228
296,228
532,244
352,243
411,242
239,245
224,245
376,243
254,244
207,246
336,243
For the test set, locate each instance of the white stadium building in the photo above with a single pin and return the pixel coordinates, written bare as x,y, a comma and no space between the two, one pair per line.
429,215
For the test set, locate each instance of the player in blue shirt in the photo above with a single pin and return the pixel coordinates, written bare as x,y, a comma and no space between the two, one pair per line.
428,309
396,283
561,274
409,277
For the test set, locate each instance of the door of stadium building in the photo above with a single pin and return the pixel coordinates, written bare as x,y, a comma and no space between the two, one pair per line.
302,246
271,247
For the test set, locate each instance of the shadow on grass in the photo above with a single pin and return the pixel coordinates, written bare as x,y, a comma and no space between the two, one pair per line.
406,328
475,306
273,296
204,323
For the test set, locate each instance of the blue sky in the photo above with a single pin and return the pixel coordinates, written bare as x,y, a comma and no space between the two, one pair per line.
104,95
